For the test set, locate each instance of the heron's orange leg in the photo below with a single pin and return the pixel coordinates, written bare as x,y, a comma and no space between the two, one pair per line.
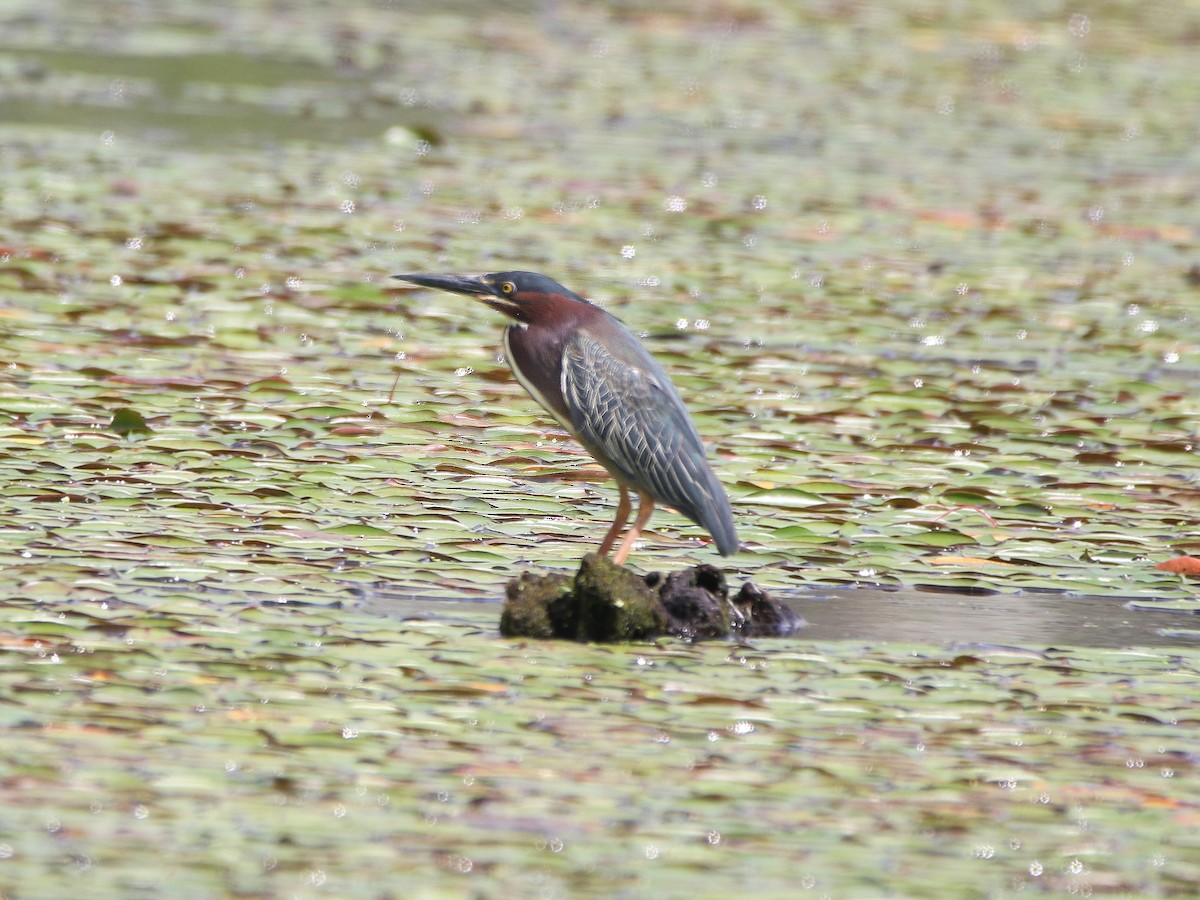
645,510
624,507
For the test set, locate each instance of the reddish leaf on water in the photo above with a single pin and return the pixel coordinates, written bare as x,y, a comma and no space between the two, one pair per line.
965,561
1181,565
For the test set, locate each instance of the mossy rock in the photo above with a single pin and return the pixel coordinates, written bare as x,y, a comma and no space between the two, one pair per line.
614,604
605,602
696,600
527,604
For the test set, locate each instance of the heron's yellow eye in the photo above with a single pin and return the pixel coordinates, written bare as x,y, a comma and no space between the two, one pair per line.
508,287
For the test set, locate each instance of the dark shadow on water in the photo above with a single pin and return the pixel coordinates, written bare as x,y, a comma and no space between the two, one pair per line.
1030,620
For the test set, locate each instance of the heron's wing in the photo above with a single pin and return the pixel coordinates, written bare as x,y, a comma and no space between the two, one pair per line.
627,413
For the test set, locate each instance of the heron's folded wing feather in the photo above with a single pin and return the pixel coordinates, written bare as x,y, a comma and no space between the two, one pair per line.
630,417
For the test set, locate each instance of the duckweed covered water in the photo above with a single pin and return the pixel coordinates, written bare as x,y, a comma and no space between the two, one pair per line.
927,280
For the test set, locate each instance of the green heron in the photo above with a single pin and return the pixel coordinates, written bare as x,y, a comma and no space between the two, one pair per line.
589,372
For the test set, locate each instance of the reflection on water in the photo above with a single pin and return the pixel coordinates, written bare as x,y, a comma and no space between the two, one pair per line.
1033,621
1026,620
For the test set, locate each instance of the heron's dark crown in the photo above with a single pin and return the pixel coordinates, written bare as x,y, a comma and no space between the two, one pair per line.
531,283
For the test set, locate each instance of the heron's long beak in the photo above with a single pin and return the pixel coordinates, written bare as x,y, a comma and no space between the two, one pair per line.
455,284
